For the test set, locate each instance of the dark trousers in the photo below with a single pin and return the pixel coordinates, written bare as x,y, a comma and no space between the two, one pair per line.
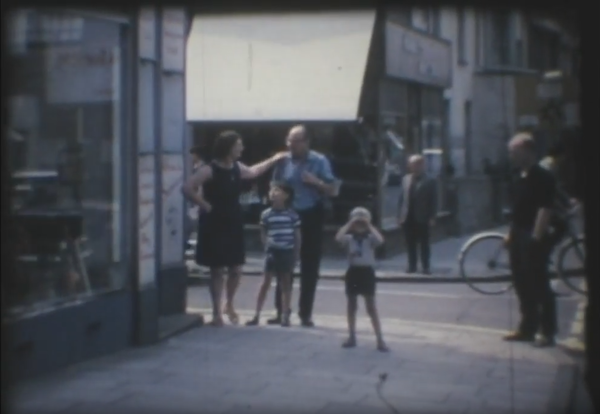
529,266
311,230
417,238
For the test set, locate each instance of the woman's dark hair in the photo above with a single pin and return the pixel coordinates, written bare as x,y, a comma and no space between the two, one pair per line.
286,189
224,143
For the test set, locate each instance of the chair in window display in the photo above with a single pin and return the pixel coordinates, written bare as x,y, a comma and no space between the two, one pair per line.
48,238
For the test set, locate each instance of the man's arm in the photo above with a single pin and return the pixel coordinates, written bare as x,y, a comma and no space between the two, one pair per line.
327,182
256,170
433,194
547,193
401,200
191,188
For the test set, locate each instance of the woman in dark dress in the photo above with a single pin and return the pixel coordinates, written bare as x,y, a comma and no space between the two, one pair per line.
221,235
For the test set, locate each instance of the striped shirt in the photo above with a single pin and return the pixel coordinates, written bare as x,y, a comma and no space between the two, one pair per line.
280,227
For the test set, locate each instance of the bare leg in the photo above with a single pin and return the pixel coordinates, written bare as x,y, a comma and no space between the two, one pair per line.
260,300
372,311
352,306
286,297
216,292
233,281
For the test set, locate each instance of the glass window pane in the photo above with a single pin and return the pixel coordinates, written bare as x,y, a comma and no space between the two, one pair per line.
64,120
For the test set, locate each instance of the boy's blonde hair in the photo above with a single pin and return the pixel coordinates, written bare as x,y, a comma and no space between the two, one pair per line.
360,212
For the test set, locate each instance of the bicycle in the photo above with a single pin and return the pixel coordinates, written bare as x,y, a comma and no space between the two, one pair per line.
492,276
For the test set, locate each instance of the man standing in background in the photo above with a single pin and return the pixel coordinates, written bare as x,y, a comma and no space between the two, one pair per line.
418,210
309,174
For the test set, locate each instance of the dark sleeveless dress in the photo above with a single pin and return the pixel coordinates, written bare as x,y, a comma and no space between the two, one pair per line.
221,231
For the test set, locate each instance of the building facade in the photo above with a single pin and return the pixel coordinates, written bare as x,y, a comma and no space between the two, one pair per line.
498,60
499,57
96,137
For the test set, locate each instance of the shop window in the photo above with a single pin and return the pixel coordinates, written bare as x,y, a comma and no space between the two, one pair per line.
66,134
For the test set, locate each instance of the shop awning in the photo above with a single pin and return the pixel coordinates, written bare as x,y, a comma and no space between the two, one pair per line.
292,67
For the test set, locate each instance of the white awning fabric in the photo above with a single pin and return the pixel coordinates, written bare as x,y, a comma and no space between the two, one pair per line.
269,67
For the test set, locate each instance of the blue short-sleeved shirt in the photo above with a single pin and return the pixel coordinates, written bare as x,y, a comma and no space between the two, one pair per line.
280,227
290,171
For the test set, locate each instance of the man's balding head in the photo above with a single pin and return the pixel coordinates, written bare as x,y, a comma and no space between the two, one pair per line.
416,164
522,149
297,140
522,140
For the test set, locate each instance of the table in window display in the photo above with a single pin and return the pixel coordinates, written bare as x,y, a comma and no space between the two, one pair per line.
71,131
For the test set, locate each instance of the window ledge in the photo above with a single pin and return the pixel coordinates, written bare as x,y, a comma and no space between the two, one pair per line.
505,70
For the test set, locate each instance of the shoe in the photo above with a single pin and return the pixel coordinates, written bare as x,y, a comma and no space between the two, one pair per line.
382,347
274,321
285,321
253,322
426,271
308,323
519,337
349,343
544,342
411,271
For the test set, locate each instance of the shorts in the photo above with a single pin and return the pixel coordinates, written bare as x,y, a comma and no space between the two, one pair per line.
360,280
280,261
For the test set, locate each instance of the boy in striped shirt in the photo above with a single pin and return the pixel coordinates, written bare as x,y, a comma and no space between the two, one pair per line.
280,234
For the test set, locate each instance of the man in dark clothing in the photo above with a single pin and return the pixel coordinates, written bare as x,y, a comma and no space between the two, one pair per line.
529,246
418,209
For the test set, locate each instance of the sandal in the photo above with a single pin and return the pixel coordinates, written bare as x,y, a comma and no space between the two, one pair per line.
232,315
216,322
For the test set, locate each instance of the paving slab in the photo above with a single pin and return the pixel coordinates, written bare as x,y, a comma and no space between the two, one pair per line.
268,369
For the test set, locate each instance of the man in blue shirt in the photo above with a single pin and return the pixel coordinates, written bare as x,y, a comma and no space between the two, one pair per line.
309,174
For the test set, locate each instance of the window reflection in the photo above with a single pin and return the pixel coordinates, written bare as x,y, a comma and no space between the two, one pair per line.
64,141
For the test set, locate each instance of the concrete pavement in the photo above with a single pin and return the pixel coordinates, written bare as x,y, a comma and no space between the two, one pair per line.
446,357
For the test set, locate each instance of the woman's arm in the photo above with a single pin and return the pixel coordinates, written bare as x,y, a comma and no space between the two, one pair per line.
256,170
191,188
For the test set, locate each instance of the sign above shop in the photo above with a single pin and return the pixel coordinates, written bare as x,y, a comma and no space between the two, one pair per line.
417,57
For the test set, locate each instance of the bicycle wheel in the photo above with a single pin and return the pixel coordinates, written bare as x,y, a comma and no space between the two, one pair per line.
484,264
571,265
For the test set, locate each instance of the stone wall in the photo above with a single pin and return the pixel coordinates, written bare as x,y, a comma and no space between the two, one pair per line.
473,199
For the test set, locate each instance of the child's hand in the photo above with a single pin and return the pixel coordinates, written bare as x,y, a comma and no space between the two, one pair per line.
356,219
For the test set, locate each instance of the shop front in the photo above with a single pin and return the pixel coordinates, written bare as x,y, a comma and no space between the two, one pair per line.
73,135
412,114
261,74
